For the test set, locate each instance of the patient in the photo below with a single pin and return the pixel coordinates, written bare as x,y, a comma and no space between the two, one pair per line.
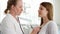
47,26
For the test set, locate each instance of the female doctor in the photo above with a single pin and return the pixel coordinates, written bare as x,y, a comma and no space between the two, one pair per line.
10,24
48,26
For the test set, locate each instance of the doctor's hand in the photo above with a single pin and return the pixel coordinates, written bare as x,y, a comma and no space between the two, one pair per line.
35,30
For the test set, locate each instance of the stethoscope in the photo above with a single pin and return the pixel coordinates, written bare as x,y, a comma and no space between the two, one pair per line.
20,26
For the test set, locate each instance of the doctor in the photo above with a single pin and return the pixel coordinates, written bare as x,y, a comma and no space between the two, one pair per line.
10,24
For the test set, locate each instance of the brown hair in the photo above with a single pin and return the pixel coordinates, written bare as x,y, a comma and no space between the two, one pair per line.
49,8
9,4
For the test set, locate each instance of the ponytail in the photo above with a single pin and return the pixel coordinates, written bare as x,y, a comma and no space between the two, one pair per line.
9,4
6,11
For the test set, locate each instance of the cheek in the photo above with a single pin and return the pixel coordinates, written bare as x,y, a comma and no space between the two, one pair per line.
41,12
15,9
19,10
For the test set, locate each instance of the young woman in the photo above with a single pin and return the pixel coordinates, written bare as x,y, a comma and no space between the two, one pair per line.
10,24
47,25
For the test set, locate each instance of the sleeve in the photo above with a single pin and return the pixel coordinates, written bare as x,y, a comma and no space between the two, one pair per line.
7,28
52,28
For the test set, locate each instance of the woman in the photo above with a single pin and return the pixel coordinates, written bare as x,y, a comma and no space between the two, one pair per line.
47,25
10,24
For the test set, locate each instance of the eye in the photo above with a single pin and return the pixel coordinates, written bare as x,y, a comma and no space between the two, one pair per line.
41,8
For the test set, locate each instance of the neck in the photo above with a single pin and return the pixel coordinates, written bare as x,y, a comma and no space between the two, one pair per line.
13,14
45,19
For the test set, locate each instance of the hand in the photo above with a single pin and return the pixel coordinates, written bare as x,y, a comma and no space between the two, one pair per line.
36,30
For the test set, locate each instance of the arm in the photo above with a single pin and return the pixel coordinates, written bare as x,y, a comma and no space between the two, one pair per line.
8,28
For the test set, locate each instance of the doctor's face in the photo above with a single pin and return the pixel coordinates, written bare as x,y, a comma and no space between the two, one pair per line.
18,8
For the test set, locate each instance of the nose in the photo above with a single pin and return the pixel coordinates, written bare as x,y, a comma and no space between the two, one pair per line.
38,10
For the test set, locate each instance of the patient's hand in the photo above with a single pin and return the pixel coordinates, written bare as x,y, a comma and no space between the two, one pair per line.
35,30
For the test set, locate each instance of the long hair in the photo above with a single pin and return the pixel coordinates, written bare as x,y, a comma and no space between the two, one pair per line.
49,8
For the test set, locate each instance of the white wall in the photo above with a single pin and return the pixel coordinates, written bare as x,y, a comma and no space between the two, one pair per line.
57,11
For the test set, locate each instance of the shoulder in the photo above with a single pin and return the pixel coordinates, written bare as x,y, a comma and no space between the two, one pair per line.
52,28
52,25
6,17
6,20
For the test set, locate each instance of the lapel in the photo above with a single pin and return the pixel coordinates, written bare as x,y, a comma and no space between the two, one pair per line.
15,23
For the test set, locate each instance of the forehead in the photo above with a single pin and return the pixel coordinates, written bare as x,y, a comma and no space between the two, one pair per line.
19,2
42,6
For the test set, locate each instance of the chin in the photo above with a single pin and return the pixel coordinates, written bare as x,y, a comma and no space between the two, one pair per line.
40,16
18,14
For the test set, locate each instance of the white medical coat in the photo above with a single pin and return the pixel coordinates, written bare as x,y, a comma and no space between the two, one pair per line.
9,25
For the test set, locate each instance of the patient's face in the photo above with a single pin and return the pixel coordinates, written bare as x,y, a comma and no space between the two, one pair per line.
42,12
